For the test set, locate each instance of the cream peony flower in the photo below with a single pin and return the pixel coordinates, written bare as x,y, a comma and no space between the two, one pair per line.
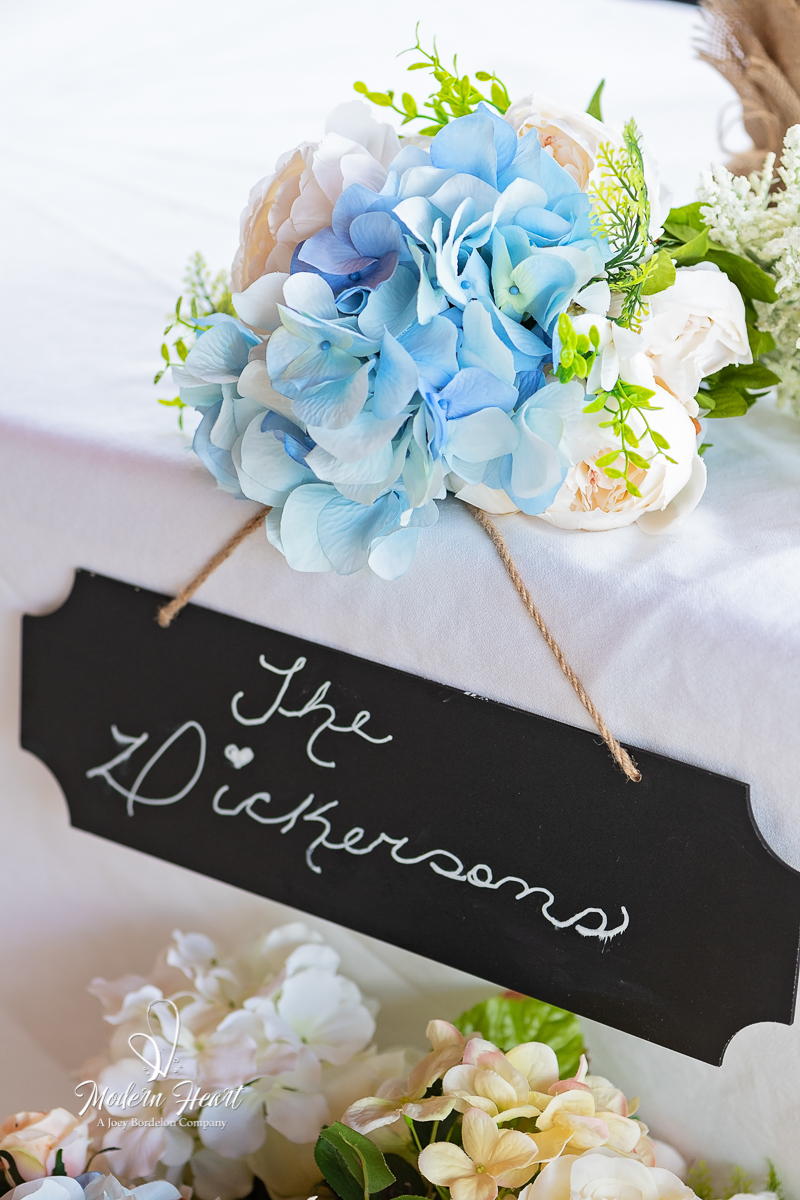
695,327
590,499
397,1099
571,137
297,201
490,1159
33,1140
601,1175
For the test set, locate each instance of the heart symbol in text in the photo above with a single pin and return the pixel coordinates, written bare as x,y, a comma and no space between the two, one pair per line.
238,757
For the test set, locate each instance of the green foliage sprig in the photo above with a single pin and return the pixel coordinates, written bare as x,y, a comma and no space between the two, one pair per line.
578,351
456,95
206,294
622,215
620,402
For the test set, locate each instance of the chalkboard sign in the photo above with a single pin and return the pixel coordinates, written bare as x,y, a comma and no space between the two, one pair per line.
479,835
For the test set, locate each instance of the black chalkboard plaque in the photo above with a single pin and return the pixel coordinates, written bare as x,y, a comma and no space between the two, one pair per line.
497,841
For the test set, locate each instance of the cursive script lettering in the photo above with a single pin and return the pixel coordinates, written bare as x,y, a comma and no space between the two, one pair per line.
132,744
317,703
443,862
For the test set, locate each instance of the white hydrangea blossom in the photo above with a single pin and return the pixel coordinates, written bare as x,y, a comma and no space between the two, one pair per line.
744,217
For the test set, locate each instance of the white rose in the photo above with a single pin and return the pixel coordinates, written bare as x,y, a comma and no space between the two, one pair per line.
601,1174
590,499
571,137
695,327
297,201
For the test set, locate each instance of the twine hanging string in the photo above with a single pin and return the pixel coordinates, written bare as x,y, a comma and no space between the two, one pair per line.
618,752
168,612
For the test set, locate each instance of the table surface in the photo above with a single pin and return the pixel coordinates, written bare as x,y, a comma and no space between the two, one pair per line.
131,137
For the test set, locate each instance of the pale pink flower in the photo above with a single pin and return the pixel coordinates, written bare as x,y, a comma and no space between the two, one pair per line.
33,1140
397,1099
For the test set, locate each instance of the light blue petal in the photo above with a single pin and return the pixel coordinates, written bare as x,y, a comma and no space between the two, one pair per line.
201,397
409,158
310,294
467,145
365,434
333,405
372,468
220,355
266,472
347,530
393,555
433,348
391,306
234,417
481,347
459,188
422,180
396,381
215,460
298,533
376,234
473,389
424,517
481,436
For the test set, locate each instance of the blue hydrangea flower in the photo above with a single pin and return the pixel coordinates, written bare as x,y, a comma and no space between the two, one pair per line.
413,355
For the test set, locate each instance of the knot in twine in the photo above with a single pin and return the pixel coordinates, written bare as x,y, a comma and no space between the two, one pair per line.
167,613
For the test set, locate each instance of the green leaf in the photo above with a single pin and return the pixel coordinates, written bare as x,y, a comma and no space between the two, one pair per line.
409,104
688,214
509,1020
484,76
659,440
362,1159
613,473
419,66
596,405
629,436
760,342
334,1171
500,97
593,108
751,281
705,446
361,88
182,349
632,488
431,130
59,1168
693,250
728,402
607,459
747,375
638,461
165,353
660,275
381,98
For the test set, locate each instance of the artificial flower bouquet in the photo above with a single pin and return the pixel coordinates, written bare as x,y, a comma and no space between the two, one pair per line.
499,307
229,1073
